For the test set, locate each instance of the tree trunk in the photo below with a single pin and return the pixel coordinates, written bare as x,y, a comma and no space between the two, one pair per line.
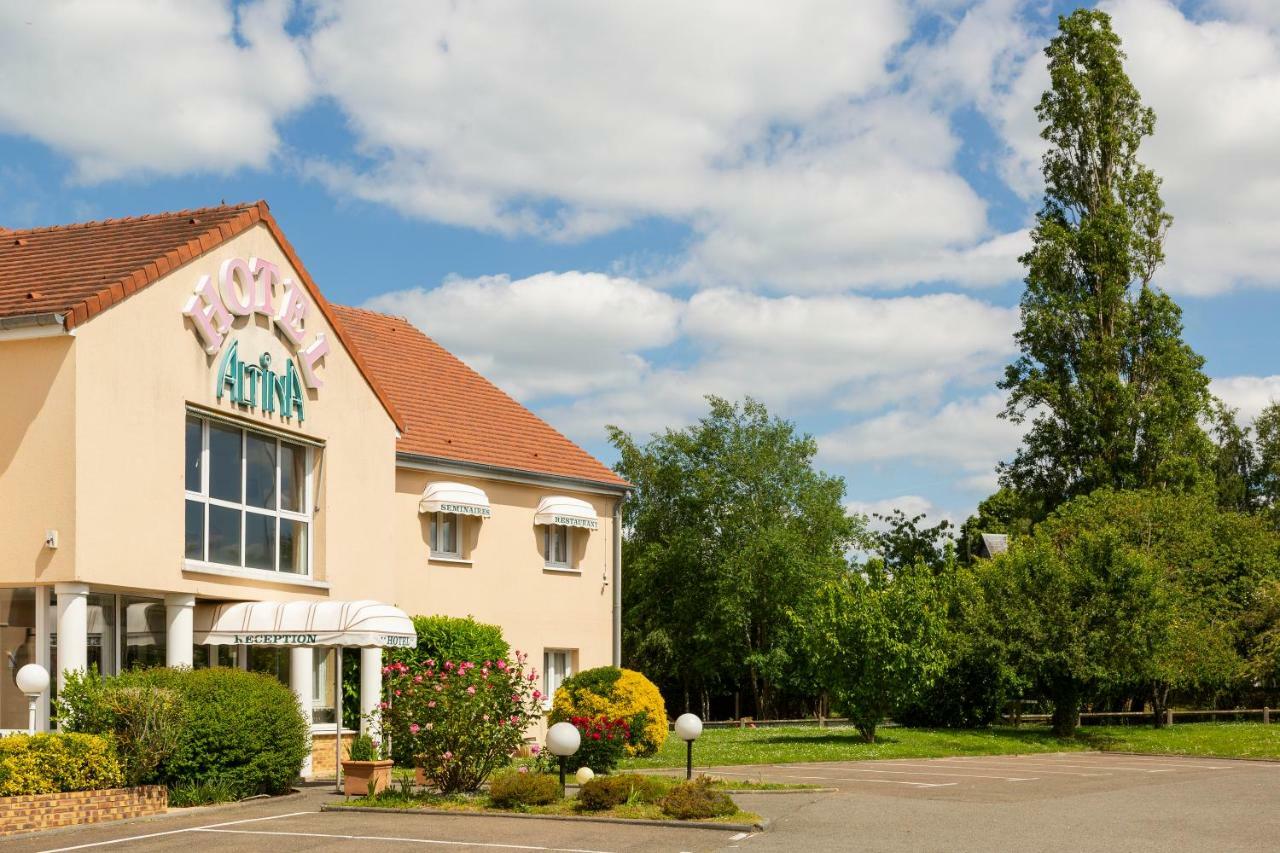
1159,705
868,732
1066,710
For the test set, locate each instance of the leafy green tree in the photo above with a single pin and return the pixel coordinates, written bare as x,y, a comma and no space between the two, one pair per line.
1005,511
1266,470
906,541
1113,394
1235,463
878,640
1074,614
729,529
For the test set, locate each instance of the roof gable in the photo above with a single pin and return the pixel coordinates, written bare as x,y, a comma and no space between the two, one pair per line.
79,271
454,413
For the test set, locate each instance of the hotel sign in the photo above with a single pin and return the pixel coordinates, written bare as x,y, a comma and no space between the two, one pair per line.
250,289
465,509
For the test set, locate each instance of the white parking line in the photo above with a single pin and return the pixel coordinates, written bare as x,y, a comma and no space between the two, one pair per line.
837,779
1039,771
439,842
1051,763
170,832
1163,762
923,772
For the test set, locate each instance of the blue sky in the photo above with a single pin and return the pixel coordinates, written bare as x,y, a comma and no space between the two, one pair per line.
613,209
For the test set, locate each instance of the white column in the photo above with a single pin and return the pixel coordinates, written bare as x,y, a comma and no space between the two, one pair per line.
301,681
370,688
73,629
179,609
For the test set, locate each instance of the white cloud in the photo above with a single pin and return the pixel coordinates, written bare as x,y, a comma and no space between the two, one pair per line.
1249,394
546,335
777,132
138,87
964,437
911,506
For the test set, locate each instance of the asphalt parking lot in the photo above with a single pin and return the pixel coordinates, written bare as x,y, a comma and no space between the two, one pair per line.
1068,801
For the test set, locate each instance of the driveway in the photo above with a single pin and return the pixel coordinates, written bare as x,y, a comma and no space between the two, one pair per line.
1070,801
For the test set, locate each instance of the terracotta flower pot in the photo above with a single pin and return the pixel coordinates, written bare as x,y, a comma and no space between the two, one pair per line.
361,778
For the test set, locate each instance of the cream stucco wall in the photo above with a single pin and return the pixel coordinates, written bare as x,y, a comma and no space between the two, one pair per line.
37,459
504,580
109,452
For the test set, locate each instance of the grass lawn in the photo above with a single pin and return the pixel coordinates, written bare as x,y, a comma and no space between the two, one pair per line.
1220,740
810,743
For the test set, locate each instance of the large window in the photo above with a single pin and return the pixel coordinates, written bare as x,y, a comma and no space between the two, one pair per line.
248,498
556,540
446,535
18,644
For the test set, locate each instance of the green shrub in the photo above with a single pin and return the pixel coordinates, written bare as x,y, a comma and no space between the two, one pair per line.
616,694
697,800
440,639
146,721
362,748
201,793
243,728
606,792
57,762
514,788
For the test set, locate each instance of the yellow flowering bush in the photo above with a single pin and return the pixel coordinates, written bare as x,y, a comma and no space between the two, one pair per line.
608,691
52,763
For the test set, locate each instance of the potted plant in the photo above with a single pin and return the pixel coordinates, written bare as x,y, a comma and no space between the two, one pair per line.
364,771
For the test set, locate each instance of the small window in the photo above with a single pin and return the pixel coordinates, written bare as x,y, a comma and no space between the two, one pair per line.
556,540
557,665
446,535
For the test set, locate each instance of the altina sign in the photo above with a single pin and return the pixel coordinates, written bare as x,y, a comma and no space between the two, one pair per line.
249,289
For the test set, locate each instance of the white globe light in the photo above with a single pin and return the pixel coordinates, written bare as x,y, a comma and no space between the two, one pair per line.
563,739
32,679
584,775
688,727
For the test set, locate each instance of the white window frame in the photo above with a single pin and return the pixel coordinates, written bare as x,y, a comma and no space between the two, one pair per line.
548,544
548,690
437,522
279,514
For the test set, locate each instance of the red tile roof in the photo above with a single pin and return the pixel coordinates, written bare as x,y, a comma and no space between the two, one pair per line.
81,270
456,414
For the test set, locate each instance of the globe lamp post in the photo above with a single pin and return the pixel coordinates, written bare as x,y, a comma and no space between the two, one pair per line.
688,727
33,680
563,739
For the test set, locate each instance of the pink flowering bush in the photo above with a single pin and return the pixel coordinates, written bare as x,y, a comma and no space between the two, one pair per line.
463,720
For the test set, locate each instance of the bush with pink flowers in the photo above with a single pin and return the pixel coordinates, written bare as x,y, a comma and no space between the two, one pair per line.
463,720
602,744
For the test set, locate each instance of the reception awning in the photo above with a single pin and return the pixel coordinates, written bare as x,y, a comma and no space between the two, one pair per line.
454,497
569,512
303,623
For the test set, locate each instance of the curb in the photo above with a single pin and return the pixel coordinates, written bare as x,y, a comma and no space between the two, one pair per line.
762,826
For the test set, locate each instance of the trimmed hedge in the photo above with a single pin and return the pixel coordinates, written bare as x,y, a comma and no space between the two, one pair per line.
514,788
616,694
606,792
243,729
57,762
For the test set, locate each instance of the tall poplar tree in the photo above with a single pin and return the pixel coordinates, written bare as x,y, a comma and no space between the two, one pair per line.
1113,394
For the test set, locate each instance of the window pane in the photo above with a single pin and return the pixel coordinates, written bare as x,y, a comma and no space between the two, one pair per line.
259,541
293,546
145,637
293,476
449,533
195,530
260,471
434,538
224,463
195,428
224,535
18,641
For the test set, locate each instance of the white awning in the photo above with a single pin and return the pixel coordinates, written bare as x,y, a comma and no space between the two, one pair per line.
303,623
454,497
569,512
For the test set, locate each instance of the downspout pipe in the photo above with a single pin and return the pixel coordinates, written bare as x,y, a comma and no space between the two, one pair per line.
617,580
